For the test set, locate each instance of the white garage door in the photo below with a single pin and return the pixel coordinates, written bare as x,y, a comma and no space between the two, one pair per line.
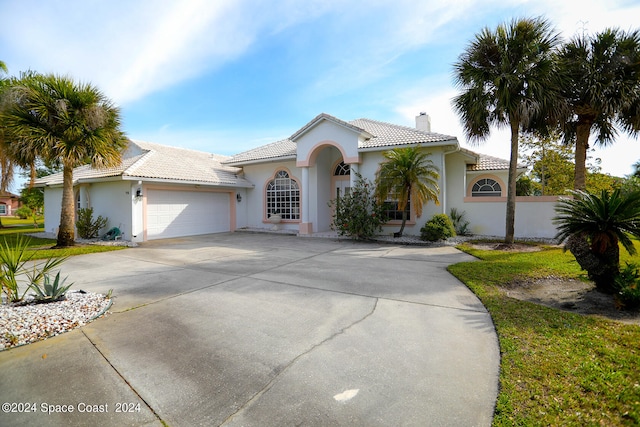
186,213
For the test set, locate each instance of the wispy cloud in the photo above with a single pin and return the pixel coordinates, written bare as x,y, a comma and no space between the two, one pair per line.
129,49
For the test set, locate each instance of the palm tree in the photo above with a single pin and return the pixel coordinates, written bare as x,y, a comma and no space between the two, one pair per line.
506,77
56,119
407,175
592,225
6,163
601,86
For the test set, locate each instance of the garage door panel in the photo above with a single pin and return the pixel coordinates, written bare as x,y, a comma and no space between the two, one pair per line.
186,213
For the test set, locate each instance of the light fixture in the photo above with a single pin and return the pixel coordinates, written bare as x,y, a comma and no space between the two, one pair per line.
238,197
139,193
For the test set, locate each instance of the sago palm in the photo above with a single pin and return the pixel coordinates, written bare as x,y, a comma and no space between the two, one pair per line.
56,119
592,226
506,77
601,85
407,175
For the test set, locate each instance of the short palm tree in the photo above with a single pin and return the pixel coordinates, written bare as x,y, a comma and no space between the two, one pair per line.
407,175
601,85
506,77
58,120
592,226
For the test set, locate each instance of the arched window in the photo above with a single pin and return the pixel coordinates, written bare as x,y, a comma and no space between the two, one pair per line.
486,187
283,196
342,170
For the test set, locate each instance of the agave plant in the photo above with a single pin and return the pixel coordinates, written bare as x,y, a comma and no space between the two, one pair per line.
50,292
593,225
17,267
13,258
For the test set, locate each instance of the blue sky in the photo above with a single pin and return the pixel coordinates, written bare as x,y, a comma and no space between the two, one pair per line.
224,76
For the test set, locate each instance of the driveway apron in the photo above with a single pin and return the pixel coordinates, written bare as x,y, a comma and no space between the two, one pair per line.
247,329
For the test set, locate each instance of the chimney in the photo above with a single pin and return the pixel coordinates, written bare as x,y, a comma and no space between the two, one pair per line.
423,122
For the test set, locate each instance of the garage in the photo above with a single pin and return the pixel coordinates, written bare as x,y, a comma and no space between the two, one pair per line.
186,213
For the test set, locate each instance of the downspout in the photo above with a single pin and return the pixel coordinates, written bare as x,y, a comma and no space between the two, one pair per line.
443,190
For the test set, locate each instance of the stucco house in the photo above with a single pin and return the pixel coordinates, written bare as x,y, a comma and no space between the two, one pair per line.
160,191
9,203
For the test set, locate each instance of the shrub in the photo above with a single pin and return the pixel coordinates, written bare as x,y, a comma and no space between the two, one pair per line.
16,266
627,284
50,292
439,227
358,213
592,225
460,223
88,228
23,212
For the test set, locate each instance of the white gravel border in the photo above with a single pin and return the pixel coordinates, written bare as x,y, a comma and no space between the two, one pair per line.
24,324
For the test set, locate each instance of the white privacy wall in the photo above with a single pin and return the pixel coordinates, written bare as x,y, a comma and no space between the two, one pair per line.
533,217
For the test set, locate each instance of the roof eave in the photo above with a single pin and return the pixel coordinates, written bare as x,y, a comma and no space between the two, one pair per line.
323,116
447,143
258,161
187,182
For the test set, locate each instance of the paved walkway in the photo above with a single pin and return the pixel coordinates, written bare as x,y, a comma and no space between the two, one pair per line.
248,329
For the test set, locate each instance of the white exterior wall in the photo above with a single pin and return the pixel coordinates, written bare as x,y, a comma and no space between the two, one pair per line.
251,211
327,133
241,211
455,183
109,199
112,200
137,212
370,165
52,207
533,217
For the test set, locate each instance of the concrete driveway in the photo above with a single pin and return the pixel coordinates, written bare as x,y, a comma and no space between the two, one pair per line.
245,329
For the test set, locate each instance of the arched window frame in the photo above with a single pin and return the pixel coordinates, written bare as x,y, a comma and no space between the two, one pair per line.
486,186
342,169
282,196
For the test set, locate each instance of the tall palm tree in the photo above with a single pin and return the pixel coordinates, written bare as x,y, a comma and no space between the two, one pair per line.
407,175
506,79
592,225
601,86
6,162
57,119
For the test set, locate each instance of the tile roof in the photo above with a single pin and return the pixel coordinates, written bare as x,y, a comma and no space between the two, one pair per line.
389,135
381,134
324,116
486,163
284,149
146,160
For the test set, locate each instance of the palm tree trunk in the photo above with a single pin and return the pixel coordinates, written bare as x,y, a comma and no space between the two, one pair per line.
511,185
582,145
66,232
404,221
601,268
32,174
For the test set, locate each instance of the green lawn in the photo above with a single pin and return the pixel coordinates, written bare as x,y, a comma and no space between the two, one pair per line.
557,368
12,226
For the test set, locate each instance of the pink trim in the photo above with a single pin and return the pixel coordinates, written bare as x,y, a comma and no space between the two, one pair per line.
264,194
521,199
305,228
313,153
503,187
232,204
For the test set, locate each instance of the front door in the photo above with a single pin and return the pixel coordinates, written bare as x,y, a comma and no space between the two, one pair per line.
340,183
342,187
